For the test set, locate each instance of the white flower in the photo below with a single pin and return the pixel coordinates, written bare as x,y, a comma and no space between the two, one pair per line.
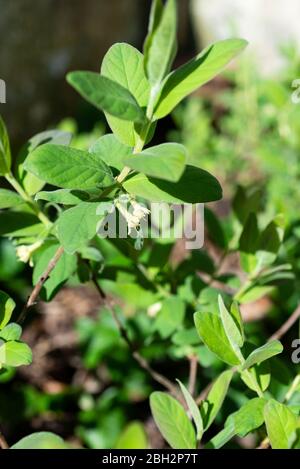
139,210
24,252
133,219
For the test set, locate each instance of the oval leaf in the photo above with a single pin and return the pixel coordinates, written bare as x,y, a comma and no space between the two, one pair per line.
166,161
41,440
31,183
125,65
281,424
11,332
195,186
106,95
133,437
15,354
69,168
210,329
77,226
111,151
172,421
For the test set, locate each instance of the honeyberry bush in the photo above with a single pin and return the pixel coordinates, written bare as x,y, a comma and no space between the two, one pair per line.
177,312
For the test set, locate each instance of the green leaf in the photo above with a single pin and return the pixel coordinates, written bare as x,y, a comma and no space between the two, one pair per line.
248,418
7,305
107,95
193,408
63,196
9,199
133,437
15,353
78,225
210,329
263,353
111,151
154,19
41,440
5,154
259,374
63,270
281,424
69,168
196,73
11,332
161,44
231,327
17,224
170,317
216,396
166,161
250,235
254,294
172,421
125,65
195,186
31,183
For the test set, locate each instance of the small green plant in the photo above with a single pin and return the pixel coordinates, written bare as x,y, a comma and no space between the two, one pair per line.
62,194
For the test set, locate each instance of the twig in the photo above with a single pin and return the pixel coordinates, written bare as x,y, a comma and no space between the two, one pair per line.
287,325
193,373
135,353
37,289
3,442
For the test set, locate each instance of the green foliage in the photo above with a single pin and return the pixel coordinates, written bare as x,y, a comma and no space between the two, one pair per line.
41,440
133,437
5,154
172,421
161,305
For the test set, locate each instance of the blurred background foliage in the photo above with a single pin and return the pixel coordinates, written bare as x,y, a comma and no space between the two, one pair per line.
244,128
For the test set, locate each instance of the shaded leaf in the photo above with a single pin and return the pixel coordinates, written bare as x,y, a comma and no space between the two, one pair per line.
9,199
195,186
